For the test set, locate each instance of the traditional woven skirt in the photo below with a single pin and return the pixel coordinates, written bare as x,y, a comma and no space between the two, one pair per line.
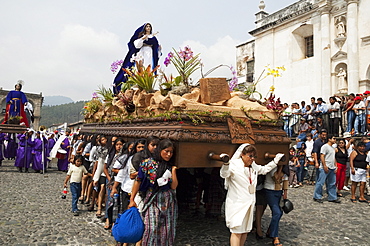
160,219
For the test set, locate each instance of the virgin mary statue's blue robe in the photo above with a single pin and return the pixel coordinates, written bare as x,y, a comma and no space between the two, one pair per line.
121,76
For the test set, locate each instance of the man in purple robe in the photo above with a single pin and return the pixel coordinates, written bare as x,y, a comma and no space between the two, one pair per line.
2,138
23,158
11,149
63,163
38,151
49,146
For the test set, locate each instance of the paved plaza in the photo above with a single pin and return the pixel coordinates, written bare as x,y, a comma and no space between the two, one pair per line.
33,213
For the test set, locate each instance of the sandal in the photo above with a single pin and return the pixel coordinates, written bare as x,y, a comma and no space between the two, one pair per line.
98,213
353,200
107,225
91,208
339,194
277,243
363,200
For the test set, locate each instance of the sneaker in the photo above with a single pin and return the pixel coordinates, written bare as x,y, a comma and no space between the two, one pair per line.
318,200
75,213
335,201
296,186
291,186
346,188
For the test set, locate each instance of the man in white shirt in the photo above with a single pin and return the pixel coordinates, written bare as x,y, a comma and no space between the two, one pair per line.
359,109
334,116
327,172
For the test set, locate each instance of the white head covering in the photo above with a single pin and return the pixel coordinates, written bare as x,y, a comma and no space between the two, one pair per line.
235,159
239,151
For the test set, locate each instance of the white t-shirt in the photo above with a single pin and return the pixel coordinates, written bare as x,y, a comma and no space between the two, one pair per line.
329,153
123,177
359,105
76,173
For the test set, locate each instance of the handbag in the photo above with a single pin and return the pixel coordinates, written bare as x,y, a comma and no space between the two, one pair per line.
129,227
287,206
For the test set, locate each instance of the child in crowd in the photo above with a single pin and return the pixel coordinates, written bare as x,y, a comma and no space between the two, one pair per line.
75,172
292,172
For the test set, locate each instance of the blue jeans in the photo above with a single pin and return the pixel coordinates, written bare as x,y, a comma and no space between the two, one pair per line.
301,173
273,198
286,126
328,178
360,120
76,193
350,119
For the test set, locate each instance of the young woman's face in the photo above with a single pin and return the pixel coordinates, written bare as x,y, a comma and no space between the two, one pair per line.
148,28
248,158
130,147
103,141
139,147
341,143
119,146
167,153
78,162
151,147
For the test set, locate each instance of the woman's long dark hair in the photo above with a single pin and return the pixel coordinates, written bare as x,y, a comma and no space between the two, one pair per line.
112,151
164,165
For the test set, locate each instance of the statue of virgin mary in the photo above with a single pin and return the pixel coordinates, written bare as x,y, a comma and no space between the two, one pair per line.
143,47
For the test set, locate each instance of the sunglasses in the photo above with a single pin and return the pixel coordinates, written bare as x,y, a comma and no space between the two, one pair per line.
252,156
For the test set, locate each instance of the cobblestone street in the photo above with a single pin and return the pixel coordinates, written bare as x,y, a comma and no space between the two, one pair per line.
32,213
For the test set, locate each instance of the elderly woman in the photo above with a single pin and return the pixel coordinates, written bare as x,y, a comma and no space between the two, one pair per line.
240,180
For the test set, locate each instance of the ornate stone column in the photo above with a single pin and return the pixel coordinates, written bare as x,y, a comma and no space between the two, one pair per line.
352,46
325,54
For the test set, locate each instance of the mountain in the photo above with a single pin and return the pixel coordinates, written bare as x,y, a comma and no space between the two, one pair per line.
68,112
56,100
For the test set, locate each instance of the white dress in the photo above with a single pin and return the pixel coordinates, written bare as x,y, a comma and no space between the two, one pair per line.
145,54
239,200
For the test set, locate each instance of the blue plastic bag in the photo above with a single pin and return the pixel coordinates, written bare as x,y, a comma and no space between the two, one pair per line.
129,226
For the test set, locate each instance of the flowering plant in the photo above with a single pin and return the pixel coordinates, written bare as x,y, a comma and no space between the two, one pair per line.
251,89
273,104
106,93
185,63
116,65
141,76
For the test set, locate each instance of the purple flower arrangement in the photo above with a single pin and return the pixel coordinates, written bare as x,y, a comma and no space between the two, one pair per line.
116,65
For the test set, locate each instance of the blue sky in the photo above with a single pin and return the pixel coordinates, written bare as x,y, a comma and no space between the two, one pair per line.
66,47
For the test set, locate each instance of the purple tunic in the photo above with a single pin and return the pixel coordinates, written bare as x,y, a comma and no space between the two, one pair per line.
63,163
37,151
21,158
18,98
49,146
11,149
2,138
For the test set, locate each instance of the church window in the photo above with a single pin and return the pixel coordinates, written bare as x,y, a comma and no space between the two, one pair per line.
309,46
250,71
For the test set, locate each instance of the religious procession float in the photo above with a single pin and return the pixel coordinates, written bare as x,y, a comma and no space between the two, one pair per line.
204,119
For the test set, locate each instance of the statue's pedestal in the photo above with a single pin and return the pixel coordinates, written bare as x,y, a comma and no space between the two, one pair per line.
196,137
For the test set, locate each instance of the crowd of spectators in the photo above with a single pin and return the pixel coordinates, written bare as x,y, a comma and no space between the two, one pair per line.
339,115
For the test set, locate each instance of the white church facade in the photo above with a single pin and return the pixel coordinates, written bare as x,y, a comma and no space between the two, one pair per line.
323,44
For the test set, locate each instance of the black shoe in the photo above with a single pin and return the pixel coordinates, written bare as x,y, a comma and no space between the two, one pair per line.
318,200
335,201
75,213
20,170
27,170
258,237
